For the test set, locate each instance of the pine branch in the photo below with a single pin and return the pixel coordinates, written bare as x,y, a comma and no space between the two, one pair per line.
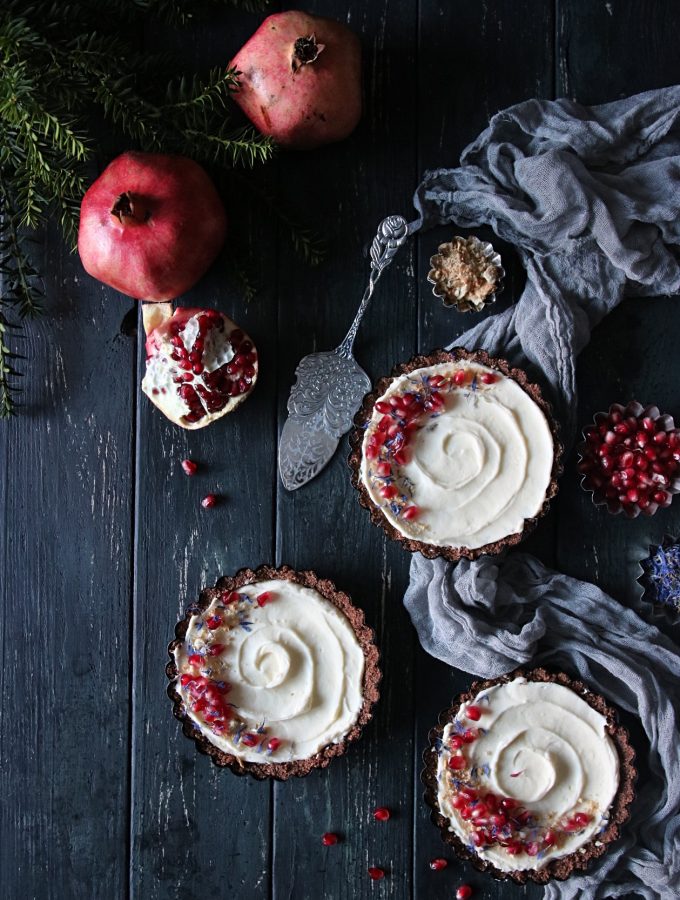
8,374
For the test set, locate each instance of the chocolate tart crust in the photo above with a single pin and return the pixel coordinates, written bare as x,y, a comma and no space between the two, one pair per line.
280,771
363,417
619,812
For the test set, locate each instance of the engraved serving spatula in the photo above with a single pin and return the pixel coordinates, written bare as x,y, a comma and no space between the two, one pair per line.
330,385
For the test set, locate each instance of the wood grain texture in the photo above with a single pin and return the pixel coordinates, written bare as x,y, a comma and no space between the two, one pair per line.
105,542
65,500
322,525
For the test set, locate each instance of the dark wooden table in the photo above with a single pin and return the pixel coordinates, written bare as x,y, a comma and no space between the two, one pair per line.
105,542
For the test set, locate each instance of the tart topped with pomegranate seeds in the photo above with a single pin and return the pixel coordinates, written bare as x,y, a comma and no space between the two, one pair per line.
199,365
529,775
456,454
273,672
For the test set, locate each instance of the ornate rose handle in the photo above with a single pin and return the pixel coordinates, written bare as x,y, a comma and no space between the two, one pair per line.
392,233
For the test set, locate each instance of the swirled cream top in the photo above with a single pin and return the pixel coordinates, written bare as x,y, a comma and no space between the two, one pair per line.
475,469
293,666
544,747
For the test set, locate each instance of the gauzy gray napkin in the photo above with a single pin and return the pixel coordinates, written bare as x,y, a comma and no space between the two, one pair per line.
490,616
591,199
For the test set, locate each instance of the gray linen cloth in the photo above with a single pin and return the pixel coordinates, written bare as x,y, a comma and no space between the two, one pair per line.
590,197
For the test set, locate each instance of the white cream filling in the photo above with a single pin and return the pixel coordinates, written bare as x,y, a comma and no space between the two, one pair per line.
295,667
478,470
544,747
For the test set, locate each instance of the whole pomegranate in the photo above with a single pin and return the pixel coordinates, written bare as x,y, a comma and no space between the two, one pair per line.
150,225
300,79
199,365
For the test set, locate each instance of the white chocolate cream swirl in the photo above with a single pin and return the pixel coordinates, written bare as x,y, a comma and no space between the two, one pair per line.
294,664
476,469
543,747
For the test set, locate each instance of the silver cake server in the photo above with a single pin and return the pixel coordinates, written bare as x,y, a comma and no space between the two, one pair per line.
330,385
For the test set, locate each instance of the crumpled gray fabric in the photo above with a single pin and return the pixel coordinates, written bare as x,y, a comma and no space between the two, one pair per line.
590,197
490,616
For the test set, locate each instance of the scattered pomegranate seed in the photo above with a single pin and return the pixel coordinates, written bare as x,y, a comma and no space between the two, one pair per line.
438,864
249,740
457,762
473,712
273,744
231,597
189,466
213,622
209,501
196,659
215,649
376,873
460,377
329,839
381,814
488,378
265,597
464,892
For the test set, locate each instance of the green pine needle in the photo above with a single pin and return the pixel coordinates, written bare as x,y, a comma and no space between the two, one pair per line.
60,62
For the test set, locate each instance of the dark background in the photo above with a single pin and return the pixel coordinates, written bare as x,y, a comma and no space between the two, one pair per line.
105,542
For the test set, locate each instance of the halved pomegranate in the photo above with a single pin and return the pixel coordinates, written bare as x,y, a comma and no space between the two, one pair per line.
199,364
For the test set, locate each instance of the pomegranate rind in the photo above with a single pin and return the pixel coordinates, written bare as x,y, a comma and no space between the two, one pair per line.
182,230
309,105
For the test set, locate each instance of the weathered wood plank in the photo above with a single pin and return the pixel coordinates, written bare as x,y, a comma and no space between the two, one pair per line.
351,187
500,54
610,50
198,831
65,545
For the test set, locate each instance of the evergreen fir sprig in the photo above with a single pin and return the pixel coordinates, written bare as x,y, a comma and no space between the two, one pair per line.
61,61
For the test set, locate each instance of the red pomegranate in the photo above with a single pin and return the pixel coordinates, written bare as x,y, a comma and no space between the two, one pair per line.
150,225
199,365
300,79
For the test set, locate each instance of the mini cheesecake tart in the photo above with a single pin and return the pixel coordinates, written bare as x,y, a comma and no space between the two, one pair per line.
456,454
529,776
273,672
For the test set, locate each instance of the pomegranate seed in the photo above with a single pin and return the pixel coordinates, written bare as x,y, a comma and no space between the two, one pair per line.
457,762
464,892
213,622
466,812
273,744
381,814
383,407
479,839
189,467
209,501
409,512
196,659
456,742
236,336
249,740
375,873
498,820
329,839
488,378
388,491
265,597
532,848
659,438
470,735
508,803
582,819
185,679
460,377
549,838
215,649
513,848
473,712
384,469
438,864
231,597
468,793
